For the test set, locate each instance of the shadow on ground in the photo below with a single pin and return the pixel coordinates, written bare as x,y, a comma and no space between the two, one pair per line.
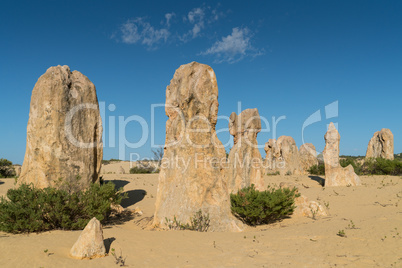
118,183
134,196
318,179
108,242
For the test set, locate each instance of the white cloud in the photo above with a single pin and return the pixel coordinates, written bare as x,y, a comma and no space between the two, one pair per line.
168,17
139,30
196,17
233,47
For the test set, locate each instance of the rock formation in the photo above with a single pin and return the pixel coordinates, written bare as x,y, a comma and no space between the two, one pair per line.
17,169
308,156
335,175
245,161
64,133
304,207
381,145
282,156
90,242
191,176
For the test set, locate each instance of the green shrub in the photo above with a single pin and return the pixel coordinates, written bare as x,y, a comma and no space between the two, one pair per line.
6,169
273,173
141,170
317,169
29,209
198,222
348,160
254,207
107,162
381,166
371,166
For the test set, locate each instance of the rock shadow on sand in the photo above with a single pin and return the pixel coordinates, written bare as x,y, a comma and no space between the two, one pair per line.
108,242
134,196
118,183
318,179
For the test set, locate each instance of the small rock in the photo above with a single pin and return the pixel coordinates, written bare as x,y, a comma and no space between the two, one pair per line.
90,243
137,211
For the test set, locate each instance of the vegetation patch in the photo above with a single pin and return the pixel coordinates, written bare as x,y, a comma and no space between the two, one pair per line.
372,166
29,209
199,222
254,207
107,162
6,169
141,170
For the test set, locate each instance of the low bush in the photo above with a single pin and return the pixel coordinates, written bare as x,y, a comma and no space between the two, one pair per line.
107,162
198,222
348,160
381,166
142,170
372,166
317,169
29,209
6,169
254,207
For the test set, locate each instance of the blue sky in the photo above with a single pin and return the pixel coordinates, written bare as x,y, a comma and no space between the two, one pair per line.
286,58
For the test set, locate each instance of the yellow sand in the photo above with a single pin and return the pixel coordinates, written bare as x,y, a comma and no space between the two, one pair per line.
375,209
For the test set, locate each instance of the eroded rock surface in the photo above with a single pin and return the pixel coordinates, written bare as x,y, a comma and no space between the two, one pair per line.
245,161
64,133
308,156
282,156
335,175
90,243
381,145
305,207
192,177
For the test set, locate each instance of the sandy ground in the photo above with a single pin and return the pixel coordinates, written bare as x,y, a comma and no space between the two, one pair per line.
375,241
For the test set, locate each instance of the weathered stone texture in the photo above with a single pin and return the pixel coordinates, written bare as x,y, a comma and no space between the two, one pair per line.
282,156
64,133
191,176
90,243
308,156
381,145
335,175
245,161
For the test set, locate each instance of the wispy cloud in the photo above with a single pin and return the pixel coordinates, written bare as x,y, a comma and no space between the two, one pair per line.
233,47
194,24
196,17
168,17
140,31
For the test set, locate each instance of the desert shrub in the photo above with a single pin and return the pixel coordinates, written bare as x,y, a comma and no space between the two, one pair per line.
141,170
317,169
198,222
6,169
398,156
107,162
381,166
29,209
273,173
348,160
254,207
